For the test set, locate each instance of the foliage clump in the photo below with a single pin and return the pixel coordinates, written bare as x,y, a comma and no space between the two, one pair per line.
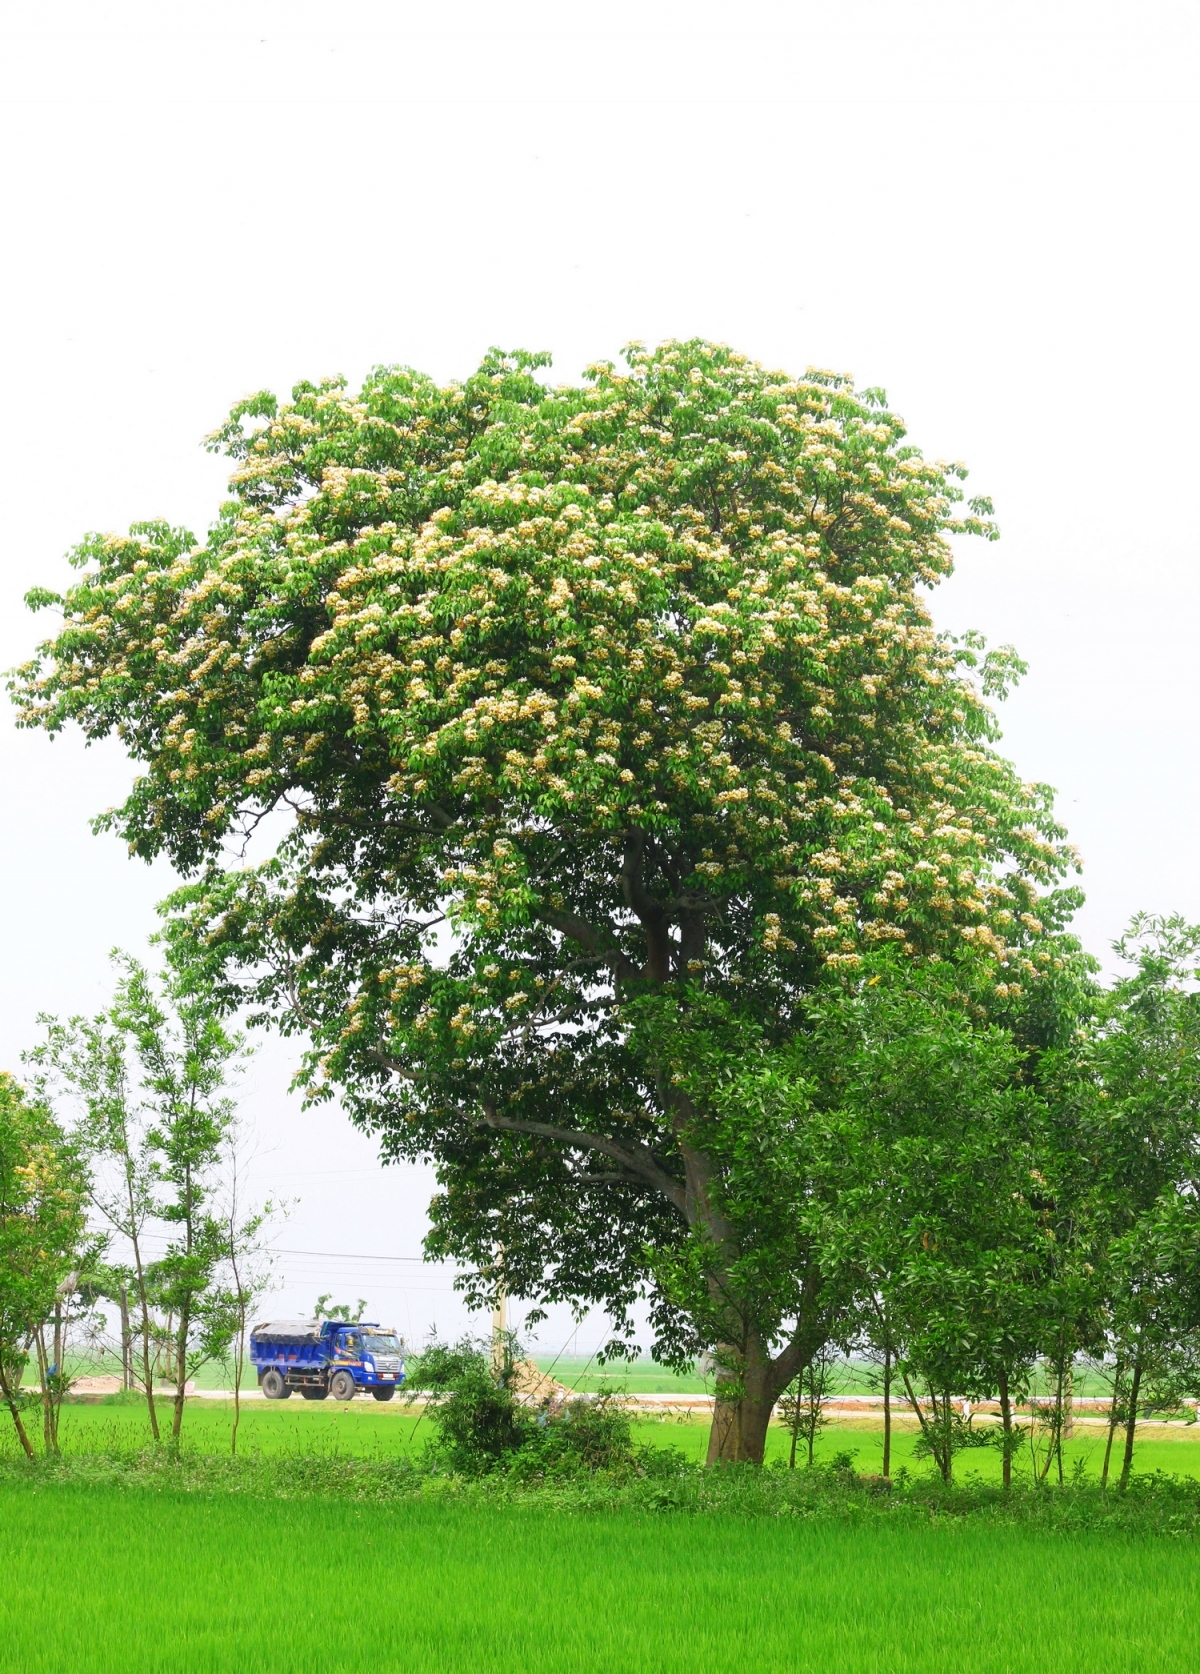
483,1423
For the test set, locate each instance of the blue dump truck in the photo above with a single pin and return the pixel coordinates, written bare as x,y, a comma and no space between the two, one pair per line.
326,1357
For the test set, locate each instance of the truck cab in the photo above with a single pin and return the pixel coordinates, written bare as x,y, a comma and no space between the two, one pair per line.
327,1357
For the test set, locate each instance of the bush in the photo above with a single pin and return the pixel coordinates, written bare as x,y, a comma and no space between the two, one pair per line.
583,1435
483,1424
479,1420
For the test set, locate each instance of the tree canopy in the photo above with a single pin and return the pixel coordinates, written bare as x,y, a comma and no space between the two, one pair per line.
610,720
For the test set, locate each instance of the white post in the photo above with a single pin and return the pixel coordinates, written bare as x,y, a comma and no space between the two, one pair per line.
499,1320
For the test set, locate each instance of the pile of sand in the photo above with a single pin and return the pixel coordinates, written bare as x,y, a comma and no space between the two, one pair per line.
534,1386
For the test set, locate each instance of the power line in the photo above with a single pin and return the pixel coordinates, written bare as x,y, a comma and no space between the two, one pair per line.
323,1255
342,1255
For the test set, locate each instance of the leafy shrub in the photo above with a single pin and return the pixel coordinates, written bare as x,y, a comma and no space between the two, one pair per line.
483,1424
480,1422
591,1435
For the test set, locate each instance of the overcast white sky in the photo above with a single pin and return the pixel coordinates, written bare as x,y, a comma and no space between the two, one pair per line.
989,210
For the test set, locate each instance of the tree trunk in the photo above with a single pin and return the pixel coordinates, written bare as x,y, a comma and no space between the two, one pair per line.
180,1374
143,1299
741,1417
887,1411
1135,1385
10,1401
739,1430
49,1413
239,1355
935,1429
1113,1410
126,1340
1006,1430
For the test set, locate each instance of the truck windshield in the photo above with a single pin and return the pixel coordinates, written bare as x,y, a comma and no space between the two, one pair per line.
380,1342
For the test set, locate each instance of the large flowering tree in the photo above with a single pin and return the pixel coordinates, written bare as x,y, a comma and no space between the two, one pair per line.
608,720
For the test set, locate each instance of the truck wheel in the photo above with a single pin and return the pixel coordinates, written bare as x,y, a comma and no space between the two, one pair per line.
274,1387
384,1392
311,1394
341,1386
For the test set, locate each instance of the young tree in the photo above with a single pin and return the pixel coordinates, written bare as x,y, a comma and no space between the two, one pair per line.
938,1154
150,1075
633,686
1138,1086
185,1052
42,1190
88,1060
802,1408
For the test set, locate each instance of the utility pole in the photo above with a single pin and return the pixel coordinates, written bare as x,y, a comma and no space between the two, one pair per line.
499,1320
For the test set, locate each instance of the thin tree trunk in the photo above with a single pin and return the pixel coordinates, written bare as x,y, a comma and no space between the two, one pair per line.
10,1401
239,1355
1054,1451
126,1340
239,1351
56,1393
887,1410
942,1457
1006,1431
59,1345
795,1424
1060,1416
49,1416
1131,1420
140,1271
180,1373
1113,1409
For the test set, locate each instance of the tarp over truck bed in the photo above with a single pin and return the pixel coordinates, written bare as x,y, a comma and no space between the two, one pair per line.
288,1331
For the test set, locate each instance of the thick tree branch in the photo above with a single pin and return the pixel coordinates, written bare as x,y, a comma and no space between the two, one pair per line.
587,936
812,1330
378,1057
651,913
633,1157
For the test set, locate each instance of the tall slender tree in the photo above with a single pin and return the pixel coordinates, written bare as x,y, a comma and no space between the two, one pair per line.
150,1078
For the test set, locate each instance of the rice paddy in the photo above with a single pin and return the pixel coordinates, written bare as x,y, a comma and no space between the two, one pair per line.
157,1582
158,1579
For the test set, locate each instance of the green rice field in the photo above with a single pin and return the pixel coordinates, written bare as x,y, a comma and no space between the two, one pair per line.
151,1576
97,1579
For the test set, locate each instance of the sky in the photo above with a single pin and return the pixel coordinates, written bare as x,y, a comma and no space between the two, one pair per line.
989,211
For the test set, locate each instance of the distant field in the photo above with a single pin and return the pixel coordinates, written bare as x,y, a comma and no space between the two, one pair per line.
640,1377
98,1579
364,1429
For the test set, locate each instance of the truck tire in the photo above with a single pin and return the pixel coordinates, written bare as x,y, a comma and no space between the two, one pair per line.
341,1386
273,1386
384,1392
312,1394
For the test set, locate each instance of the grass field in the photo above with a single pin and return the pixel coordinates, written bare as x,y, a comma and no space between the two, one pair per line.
97,1579
364,1429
